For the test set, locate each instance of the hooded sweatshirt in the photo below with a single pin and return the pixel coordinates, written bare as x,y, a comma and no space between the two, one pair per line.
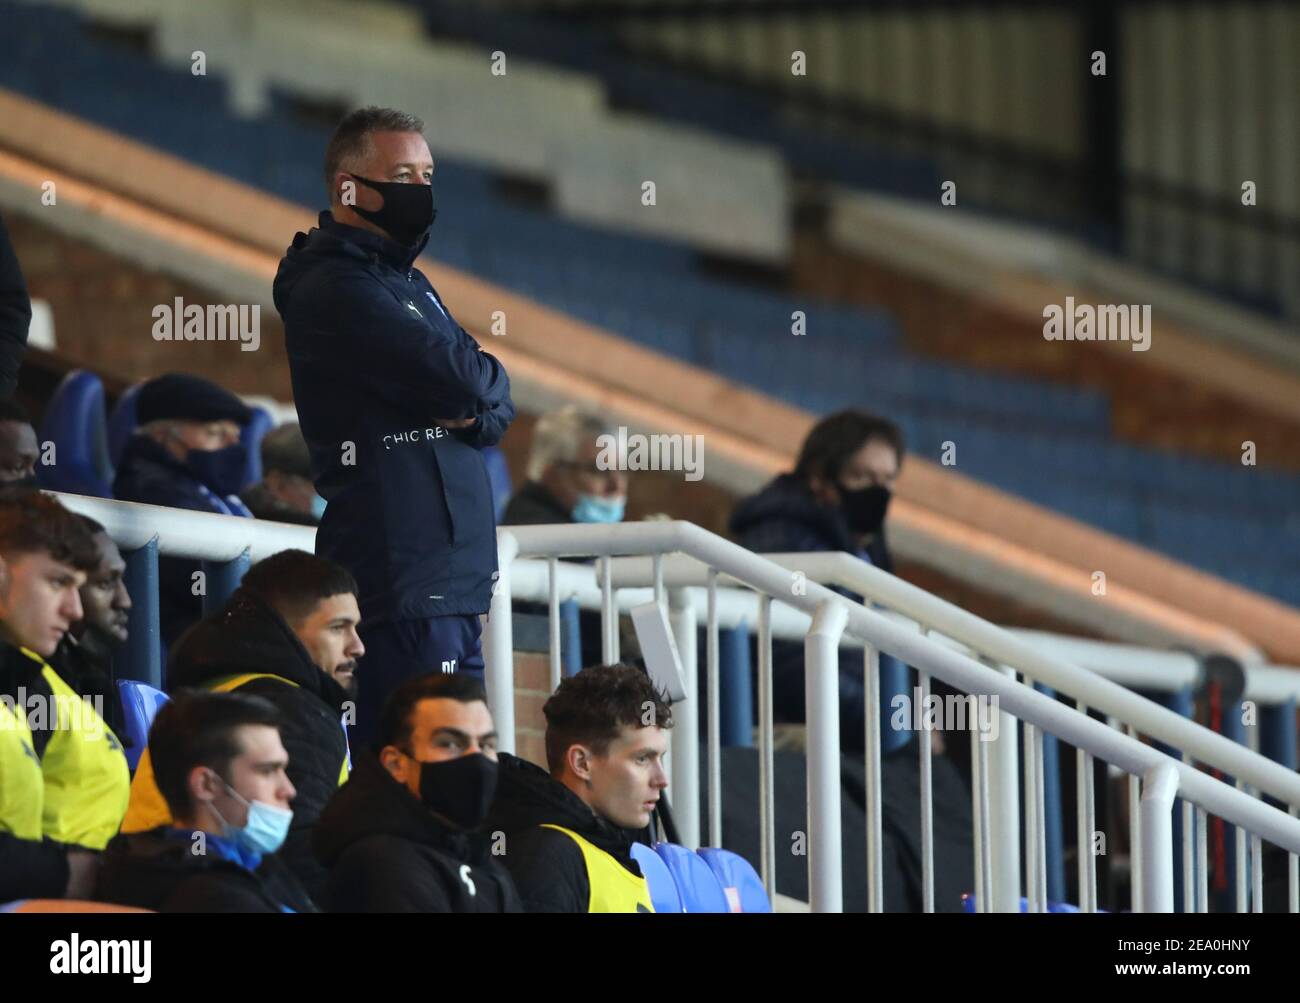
548,866
387,852
377,361
161,870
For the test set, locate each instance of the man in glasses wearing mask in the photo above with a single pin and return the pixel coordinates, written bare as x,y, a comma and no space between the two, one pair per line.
835,499
186,453
399,835
396,401
220,764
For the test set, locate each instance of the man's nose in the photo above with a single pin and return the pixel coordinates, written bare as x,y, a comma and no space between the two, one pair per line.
71,607
122,598
355,648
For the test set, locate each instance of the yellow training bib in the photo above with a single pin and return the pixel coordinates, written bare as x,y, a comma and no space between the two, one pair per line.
22,787
87,781
613,887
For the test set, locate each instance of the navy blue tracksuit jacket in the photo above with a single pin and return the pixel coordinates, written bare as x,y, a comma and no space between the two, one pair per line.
376,360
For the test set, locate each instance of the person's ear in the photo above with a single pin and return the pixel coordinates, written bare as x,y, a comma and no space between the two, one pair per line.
394,762
6,577
579,761
203,784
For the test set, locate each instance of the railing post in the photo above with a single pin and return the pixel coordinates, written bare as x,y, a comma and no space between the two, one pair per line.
499,646
220,579
1053,810
736,688
686,723
822,677
571,637
1004,805
1159,787
142,657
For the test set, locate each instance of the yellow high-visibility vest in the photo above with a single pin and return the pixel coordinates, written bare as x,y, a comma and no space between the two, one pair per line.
613,887
22,787
87,781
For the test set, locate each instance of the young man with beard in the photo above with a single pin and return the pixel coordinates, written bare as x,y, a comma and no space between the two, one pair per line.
288,634
85,656
400,834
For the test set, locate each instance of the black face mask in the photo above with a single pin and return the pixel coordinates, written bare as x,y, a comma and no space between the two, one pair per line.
407,212
222,470
864,509
460,789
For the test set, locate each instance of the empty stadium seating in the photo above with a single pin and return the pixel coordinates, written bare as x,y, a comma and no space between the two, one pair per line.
1048,443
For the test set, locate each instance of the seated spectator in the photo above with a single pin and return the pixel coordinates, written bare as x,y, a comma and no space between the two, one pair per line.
185,453
286,492
19,448
63,777
835,499
398,837
223,771
569,834
288,634
565,482
565,485
85,656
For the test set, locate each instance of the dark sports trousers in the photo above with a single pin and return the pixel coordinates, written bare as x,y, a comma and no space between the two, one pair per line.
396,650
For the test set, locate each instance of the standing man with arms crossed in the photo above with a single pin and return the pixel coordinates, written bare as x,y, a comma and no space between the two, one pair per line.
396,401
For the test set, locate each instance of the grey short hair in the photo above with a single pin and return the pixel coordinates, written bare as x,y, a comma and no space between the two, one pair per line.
560,435
351,138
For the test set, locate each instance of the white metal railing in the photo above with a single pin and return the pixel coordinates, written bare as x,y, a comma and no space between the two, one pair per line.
987,668
682,554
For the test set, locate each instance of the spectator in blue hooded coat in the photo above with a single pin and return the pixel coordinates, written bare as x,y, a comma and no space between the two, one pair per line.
185,453
835,499
396,401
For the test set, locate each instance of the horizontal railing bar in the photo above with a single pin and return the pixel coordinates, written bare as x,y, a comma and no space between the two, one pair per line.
966,674
1005,647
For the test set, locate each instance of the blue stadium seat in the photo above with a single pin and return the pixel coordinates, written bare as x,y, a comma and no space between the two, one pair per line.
499,476
121,423
140,702
251,436
75,424
740,882
663,889
700,890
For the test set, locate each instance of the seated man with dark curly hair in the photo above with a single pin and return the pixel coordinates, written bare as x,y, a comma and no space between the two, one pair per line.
568,834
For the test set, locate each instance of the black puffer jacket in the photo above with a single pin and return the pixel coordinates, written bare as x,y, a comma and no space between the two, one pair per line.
547,865
386,852
159,870
245,636
534,505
